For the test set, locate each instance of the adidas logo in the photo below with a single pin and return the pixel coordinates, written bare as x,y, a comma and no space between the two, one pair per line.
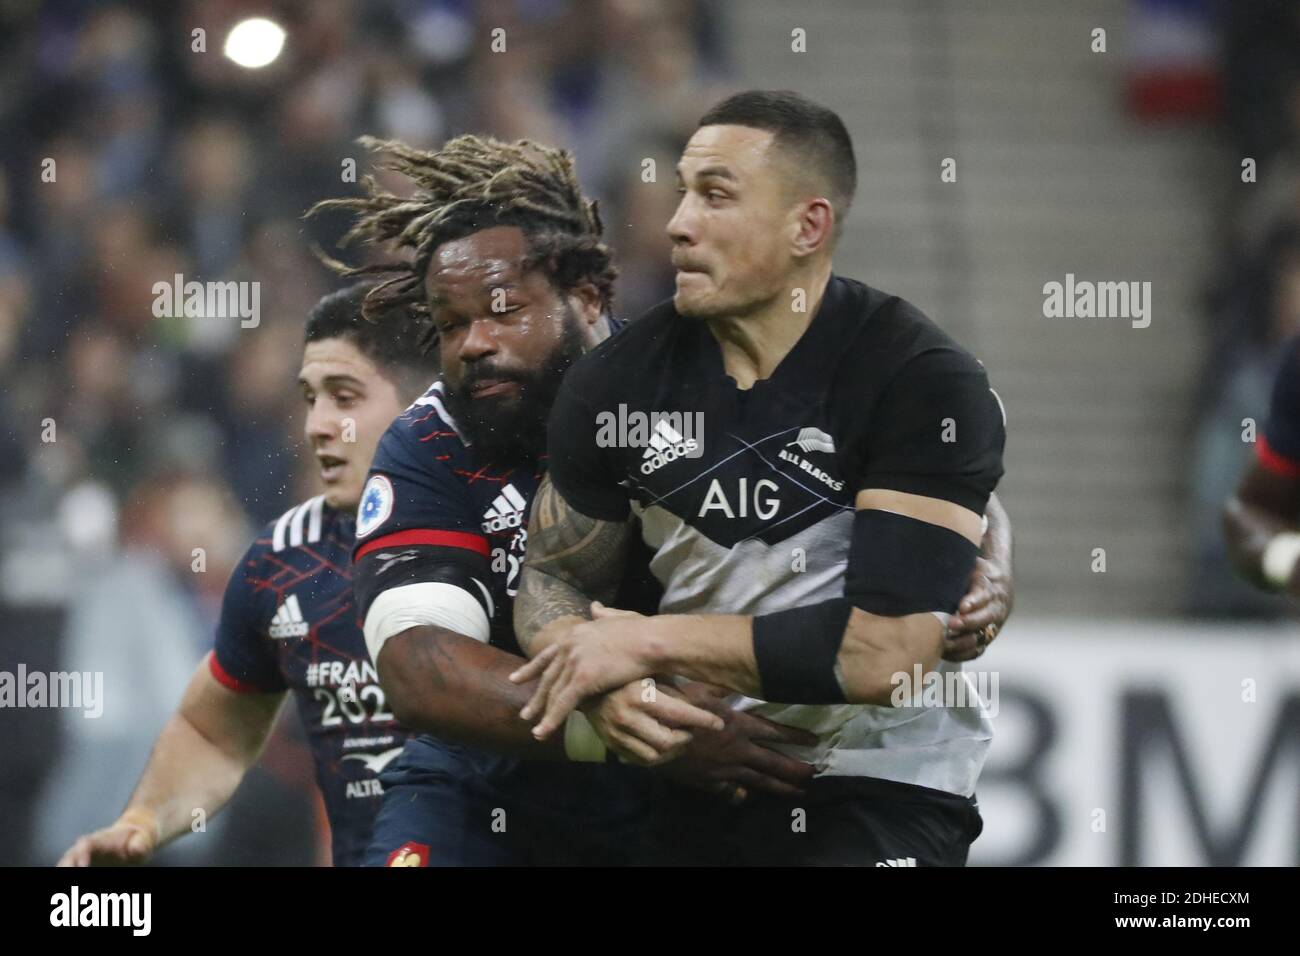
288,621
507,511
813,439
901,861
666,446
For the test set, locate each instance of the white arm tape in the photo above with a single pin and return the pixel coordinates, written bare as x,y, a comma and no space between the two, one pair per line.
433,603
1280,557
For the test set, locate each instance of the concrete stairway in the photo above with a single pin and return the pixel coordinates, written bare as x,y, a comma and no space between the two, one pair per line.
1052,178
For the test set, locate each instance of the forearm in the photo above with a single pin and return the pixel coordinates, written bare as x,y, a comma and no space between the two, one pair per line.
201,756
1248,530
450,685
572,560
996,544
186,772
546,607
714,648
719,649
1258,521
876,650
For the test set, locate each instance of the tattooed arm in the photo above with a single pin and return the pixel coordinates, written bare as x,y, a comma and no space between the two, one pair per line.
572,560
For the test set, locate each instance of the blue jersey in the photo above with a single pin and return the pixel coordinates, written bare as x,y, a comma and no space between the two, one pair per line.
432,512
1278,447
288,622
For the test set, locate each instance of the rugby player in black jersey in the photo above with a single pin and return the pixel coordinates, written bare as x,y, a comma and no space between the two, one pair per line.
288,624
809,460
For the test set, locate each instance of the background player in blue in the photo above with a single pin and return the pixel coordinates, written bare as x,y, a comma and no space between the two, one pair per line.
288,622
814,536
1262,520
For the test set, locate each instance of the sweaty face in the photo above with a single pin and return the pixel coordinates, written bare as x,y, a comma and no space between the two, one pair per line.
506,338
733,224
349,405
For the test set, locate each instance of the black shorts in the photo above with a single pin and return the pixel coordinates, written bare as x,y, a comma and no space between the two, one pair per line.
840,821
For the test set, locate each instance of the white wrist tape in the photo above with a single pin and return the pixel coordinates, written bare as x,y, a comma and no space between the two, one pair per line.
430,602
1280,557
581,742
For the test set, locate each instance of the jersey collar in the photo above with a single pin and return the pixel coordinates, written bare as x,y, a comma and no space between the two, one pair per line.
806,366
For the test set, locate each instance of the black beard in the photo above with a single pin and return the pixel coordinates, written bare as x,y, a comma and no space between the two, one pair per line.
511,429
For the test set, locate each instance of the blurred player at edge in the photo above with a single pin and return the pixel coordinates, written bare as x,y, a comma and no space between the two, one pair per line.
1262,520
836,423
288,622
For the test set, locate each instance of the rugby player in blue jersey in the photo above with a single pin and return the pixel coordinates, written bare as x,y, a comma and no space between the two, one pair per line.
1262,519
288,622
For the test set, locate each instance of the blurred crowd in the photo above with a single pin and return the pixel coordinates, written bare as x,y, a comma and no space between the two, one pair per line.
1254,299
134,151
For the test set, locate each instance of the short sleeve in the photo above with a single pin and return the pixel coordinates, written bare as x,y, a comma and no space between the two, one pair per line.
416,523
1278,448
938,430
243,657
415,496
580,469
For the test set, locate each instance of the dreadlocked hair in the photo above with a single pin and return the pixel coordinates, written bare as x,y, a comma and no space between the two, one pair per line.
472,183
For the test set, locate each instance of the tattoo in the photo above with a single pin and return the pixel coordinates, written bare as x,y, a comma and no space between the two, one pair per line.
571,561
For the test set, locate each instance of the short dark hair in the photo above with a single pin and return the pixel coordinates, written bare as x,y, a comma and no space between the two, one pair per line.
392,342
814,133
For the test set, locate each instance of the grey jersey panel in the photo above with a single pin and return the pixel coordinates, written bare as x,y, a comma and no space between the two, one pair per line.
938,747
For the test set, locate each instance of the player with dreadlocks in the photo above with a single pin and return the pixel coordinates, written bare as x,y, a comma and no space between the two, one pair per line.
502,250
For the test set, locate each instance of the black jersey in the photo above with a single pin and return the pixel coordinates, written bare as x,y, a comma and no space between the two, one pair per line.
745,497
288,623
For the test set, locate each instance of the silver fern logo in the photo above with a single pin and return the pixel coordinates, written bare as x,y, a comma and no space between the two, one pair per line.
809,440
813,439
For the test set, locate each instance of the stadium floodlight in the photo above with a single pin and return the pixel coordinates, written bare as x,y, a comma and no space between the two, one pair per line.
255,42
